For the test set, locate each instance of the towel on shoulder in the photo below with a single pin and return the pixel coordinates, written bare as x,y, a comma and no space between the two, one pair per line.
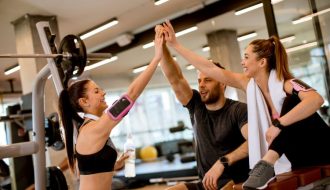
259,120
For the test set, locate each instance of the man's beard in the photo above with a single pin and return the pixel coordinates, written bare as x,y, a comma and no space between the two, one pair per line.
213,97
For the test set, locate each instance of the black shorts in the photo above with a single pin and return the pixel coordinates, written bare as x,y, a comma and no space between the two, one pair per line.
238,173
194,186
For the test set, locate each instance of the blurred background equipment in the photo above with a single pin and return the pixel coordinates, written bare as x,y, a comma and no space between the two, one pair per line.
53,133
184,147
4,176
180,127
55,179
148,153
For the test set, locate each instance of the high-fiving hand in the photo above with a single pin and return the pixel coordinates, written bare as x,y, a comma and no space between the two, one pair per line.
169,34
159,40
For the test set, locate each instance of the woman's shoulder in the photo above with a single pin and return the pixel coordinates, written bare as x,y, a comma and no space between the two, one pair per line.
287,87
89,139
86,121
294,85
85,124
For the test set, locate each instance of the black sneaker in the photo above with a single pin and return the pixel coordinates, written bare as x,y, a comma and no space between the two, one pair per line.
260,176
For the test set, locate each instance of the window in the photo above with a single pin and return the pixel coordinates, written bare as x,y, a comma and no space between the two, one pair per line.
3,137
154,112
306,57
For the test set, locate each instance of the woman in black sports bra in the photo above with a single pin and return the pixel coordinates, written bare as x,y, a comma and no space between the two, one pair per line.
94,151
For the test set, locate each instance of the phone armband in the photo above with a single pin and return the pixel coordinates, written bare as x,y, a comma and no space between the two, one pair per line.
120,108
298,85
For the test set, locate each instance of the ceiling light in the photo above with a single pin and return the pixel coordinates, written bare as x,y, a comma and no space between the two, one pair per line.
159,2
303,46
148,45
213,22
186,31
253,7
206,48
248,9
190,67
12,69
309,17
303,19
174,58
178,34
287,39
246,36
100,63
276,1
140,69
100,28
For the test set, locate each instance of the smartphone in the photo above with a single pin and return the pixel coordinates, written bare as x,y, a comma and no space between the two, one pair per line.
302,86
120,108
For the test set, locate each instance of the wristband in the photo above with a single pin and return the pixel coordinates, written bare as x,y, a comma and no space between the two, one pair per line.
224,161
120,108
277,124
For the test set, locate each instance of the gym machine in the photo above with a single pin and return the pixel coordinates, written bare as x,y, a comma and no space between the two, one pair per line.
68,61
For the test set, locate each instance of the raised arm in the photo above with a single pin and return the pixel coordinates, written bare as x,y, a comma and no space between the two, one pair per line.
137,86
175,77
205,66
99,130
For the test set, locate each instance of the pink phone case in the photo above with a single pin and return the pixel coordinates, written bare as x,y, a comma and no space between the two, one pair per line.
124,112
300,86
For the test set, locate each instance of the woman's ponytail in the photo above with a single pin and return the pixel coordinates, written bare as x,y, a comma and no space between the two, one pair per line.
69,107
281,59
65,110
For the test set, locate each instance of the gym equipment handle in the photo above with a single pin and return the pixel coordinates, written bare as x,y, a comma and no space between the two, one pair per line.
18,149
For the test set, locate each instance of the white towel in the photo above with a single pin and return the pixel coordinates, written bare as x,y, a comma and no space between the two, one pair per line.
259,120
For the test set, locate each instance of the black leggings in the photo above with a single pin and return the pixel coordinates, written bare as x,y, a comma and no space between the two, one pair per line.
305,143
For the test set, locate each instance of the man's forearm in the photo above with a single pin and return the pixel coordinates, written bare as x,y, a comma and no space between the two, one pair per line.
238,154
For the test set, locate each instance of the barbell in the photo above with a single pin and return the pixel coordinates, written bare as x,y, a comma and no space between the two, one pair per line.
71,56
66,55
68,48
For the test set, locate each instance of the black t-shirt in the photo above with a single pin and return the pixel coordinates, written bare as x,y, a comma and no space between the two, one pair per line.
216,132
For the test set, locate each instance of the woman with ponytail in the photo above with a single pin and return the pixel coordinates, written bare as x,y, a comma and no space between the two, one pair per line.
282,111
87,138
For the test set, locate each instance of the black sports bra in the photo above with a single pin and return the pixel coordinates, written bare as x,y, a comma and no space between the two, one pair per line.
101,161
